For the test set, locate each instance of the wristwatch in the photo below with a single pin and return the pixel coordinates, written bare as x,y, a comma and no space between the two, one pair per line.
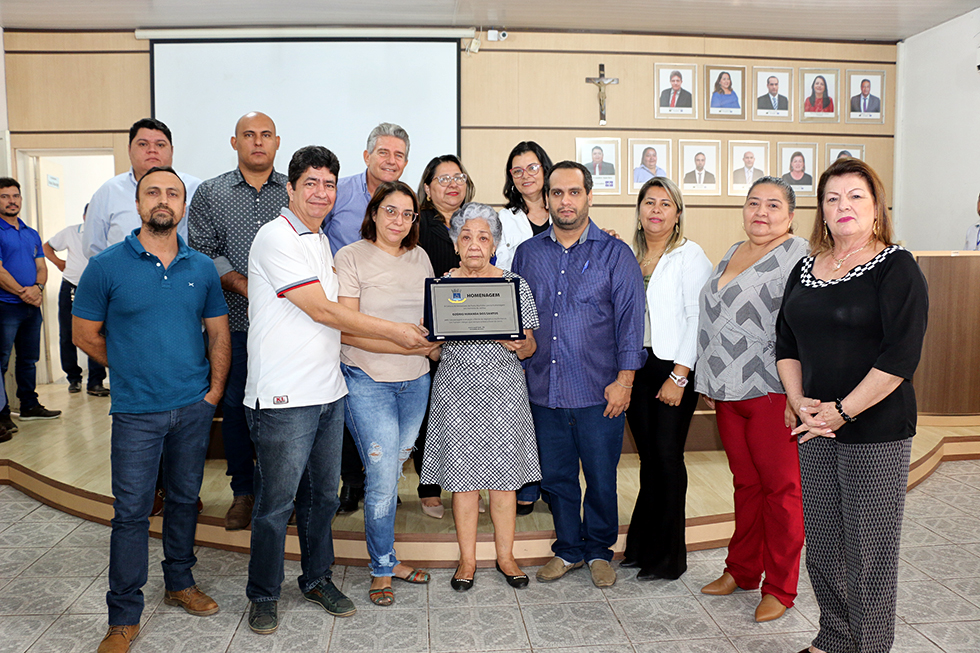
681,381
40,286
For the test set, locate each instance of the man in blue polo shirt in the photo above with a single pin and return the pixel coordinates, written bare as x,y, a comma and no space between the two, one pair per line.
151,293
22,277
386,157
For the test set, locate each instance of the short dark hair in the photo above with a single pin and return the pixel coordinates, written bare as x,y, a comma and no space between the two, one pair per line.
7,182
312,156
369,228
152,170
514,198
569,165
149,123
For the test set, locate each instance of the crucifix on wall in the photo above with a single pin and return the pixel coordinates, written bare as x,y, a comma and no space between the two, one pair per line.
602,82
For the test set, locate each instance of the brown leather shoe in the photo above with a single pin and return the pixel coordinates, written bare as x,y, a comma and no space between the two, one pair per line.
118,639
239,515
4,433
769,609
723,586
193,600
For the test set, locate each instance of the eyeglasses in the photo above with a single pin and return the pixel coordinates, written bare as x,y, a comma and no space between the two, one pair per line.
445,180
532,169
392,212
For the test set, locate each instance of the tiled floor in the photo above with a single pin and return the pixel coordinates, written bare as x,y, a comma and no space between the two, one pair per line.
53,581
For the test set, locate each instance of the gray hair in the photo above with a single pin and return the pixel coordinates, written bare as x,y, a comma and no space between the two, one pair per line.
387,129
475,211
783,185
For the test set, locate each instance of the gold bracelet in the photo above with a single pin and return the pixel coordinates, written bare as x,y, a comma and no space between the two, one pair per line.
628,387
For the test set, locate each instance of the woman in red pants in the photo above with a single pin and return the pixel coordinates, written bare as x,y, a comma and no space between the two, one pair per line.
737,376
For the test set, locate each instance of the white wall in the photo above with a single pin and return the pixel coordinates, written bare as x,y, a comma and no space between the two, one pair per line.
82,177
937,135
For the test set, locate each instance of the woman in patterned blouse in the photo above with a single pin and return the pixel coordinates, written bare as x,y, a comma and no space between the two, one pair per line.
737,376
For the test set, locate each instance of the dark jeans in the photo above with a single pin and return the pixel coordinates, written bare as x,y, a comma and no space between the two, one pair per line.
69,353
139,442
568,438
234,427
298,456
657,527
20,327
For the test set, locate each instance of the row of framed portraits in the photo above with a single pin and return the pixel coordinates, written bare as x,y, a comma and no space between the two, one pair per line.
767,93
698,165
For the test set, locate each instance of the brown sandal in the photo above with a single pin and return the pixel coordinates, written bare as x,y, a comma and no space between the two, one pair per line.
382,597
417,577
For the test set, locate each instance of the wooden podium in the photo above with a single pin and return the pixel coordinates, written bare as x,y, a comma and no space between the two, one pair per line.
947,381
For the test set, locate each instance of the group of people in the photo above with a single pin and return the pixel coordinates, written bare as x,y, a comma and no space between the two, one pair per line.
309,288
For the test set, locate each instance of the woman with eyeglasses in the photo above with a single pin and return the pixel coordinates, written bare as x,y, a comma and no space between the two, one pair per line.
445,186
388,387
525,214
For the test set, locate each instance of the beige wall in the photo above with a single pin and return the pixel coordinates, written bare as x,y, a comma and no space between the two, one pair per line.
77,90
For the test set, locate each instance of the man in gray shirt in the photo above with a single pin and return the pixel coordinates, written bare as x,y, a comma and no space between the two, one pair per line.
223,218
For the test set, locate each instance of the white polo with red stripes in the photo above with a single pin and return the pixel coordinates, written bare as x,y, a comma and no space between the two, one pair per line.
292,360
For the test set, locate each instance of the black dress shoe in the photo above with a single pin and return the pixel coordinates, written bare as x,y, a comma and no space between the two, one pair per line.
460,584
629,563
349,497
647,574
525,508
74,387
518,581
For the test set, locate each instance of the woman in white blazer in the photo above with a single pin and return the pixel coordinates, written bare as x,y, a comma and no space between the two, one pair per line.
663,399
524,215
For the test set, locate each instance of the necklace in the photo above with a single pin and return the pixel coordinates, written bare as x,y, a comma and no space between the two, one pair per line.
838,262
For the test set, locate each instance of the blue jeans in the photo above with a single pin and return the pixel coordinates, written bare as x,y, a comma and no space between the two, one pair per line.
69,353
20,326
298,457
567,436
139,441
384,419
234,427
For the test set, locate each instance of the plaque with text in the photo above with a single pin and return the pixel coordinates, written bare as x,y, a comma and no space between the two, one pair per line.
473,309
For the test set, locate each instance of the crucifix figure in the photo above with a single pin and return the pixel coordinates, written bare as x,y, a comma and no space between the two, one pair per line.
602,81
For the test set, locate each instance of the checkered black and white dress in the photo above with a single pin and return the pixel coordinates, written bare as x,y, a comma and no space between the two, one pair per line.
481,436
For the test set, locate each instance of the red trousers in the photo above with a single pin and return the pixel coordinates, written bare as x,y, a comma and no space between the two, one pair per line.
764,460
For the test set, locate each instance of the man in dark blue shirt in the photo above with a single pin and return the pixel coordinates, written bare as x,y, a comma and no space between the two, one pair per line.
589,292
152,293
22,277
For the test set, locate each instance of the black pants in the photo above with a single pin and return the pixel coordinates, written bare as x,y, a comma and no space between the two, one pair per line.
69,354
425,490
656,532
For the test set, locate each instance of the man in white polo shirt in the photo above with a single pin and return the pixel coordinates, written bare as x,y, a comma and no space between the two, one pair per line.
294,393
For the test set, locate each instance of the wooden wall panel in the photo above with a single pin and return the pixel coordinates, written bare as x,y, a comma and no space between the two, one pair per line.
15,41
77,92
547,100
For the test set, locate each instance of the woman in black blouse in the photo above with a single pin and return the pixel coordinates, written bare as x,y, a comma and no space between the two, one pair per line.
849,336
445,186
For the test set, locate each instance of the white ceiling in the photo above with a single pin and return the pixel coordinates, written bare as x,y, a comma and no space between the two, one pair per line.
851,20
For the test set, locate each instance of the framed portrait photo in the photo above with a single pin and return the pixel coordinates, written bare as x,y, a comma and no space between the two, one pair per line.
699,166
797,165
724,92
648,159
675,94
773,94
601,157
866,96
819,98
838,150
749,161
